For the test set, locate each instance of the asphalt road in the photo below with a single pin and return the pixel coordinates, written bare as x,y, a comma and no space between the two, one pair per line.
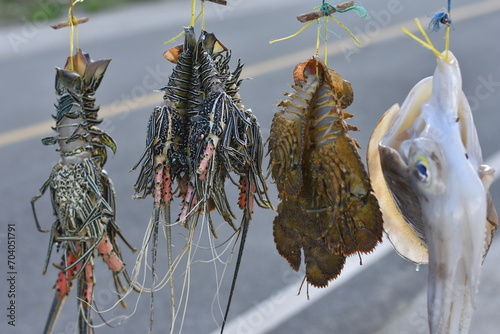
386,297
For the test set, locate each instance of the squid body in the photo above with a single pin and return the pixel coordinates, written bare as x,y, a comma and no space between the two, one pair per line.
427,172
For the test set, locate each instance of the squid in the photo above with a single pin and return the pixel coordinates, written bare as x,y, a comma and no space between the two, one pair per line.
427,171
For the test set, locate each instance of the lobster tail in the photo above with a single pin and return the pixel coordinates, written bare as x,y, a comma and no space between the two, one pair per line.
336,215
68,81
89,70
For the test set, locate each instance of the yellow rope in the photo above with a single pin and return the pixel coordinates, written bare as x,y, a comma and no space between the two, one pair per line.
427,43
318,38
173,39
430,47
447,43
422,31
293,35
193,12
325,47
202,15
73,36
194,18
346,29
318,33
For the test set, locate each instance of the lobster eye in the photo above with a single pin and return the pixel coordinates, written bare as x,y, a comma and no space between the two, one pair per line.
422,171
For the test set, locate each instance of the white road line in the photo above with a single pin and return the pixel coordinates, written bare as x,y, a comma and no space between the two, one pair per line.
32,38
284,304
273,311
42,128
266,315
391,32
281,306
265,67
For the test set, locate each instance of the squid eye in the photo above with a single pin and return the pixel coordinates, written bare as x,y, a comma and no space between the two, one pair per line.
422,171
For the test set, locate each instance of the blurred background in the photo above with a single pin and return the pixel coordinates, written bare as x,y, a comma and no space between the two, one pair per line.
384,295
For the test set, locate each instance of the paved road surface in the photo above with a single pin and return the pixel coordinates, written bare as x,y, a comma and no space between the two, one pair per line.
386,296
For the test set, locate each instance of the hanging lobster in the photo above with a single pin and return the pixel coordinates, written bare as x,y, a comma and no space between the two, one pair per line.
327,206
197,138
82,194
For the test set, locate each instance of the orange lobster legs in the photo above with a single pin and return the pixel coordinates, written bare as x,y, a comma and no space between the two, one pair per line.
62,287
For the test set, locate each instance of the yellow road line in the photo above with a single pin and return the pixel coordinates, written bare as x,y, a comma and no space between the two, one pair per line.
265,67
391,32
43,128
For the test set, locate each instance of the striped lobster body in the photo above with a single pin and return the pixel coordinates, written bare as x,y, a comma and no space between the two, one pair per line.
199,137
214,121
327,207
81,192
164,158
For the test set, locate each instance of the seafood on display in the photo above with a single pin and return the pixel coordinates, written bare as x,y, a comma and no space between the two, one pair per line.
328,210
427,171
200,136
81,192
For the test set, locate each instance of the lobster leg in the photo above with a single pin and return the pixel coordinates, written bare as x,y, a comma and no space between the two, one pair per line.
106,250
189,202
41,192
62,287
207,156
85,295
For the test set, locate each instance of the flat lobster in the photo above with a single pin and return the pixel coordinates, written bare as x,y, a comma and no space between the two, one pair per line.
82,194
327,206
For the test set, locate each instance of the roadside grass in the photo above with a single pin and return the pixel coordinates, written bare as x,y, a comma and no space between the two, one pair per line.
19,11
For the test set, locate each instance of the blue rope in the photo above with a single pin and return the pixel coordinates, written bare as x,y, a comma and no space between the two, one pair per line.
325,8
441,18
324,37
438,19
358,9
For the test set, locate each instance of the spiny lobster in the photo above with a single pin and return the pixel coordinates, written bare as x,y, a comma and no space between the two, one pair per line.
82,194
200,135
